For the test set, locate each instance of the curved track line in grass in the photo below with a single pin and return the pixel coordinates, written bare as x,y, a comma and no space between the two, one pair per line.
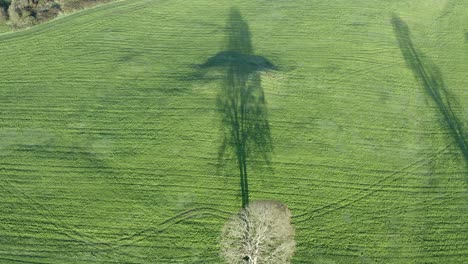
59,226
353,198
376,215
164,225
154,231
98,244
127,241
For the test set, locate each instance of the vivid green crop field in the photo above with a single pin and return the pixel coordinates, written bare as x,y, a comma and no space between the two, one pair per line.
110,136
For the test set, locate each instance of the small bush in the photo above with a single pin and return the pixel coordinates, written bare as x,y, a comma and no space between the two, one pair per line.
25,13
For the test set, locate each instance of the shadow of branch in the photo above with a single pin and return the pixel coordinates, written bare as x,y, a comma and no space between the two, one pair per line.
241,101
430,77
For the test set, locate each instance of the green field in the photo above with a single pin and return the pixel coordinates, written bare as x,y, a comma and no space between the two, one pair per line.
110,137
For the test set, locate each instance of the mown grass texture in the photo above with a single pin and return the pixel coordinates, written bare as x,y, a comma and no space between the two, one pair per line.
109,145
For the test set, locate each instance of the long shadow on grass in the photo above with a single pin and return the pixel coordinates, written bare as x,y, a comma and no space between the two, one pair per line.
431,79
241,101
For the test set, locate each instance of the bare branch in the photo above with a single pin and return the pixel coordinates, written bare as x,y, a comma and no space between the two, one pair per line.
260,233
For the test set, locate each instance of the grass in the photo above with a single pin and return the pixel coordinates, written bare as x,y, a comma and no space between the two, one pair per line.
3,28
109,146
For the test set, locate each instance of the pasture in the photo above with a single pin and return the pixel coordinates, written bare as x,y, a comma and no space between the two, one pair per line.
110,131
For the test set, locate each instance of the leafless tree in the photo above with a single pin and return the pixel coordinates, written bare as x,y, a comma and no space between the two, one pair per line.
260,233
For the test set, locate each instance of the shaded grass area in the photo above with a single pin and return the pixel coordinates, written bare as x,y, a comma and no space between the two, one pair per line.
246,132
431,79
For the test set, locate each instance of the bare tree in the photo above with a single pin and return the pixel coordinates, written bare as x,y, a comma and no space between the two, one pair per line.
259,233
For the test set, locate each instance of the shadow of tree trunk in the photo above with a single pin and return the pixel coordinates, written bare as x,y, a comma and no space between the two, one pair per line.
241,101
431,80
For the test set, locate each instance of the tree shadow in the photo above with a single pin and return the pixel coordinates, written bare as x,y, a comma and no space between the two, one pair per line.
430,77
241,101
